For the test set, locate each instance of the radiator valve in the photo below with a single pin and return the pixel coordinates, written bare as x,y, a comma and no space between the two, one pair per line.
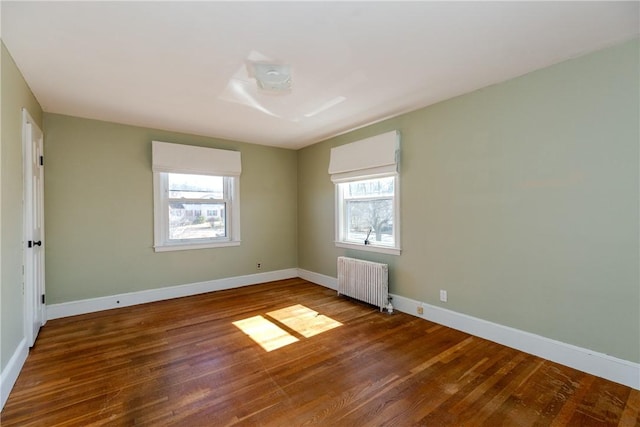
389,308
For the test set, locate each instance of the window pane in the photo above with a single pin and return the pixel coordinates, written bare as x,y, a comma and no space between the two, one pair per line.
375,215
371,187
197,220
183,186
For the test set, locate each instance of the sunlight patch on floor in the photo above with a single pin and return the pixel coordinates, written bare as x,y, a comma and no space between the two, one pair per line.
304,321
264,332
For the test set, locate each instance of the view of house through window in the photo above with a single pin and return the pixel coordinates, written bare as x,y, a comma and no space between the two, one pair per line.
196,197
197,207
368,211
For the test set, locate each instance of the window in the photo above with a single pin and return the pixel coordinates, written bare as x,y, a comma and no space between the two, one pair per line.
366,177
196,193
368,211
196,197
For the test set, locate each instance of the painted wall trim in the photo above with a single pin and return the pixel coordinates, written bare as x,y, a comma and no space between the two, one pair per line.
595,363
599,364
318,279
10,374
74,308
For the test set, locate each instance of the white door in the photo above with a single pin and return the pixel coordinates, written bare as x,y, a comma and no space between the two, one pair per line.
35,315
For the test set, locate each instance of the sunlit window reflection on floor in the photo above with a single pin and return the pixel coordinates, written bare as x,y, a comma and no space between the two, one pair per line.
265,333
298,318
303,320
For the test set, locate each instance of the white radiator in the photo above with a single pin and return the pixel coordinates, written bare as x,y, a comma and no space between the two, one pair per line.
364,280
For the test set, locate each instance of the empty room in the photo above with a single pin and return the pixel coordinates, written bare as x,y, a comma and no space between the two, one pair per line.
320,213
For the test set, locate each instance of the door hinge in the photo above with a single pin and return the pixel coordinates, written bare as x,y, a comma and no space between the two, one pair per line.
41,160
43,298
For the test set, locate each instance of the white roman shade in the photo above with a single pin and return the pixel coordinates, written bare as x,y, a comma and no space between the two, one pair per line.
366,158
178,158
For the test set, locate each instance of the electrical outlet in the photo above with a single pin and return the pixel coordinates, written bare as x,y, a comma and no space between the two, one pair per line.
420,309
259,266
443,295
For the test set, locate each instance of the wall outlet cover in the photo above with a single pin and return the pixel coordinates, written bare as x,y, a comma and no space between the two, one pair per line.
443,295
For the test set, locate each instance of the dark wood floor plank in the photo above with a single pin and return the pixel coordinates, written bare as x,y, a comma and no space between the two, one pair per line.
184,362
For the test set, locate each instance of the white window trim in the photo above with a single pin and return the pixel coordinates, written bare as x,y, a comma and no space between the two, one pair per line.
183,247
370,248
340,242
161,221
185,159
370,158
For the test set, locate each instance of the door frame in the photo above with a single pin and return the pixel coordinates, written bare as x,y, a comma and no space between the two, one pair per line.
33,284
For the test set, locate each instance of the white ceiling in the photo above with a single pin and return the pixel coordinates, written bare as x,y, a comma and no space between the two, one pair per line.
181,66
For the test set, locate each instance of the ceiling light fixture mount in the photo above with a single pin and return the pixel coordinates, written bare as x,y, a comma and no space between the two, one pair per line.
273,78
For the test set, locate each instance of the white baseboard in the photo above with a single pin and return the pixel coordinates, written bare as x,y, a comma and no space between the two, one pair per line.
73,308
10,373
599,364
318,279
595,363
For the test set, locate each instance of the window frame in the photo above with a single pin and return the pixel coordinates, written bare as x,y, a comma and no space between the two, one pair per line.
231,199
341,221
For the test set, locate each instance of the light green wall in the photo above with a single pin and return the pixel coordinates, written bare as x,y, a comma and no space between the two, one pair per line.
99,212
14,96
521,200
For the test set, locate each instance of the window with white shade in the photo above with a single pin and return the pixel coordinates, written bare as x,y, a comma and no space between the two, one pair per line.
196,197
365,174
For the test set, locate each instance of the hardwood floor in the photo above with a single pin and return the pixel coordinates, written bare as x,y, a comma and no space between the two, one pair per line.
185,362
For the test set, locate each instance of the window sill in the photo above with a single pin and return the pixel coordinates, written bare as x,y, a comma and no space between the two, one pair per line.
369,248
185,247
